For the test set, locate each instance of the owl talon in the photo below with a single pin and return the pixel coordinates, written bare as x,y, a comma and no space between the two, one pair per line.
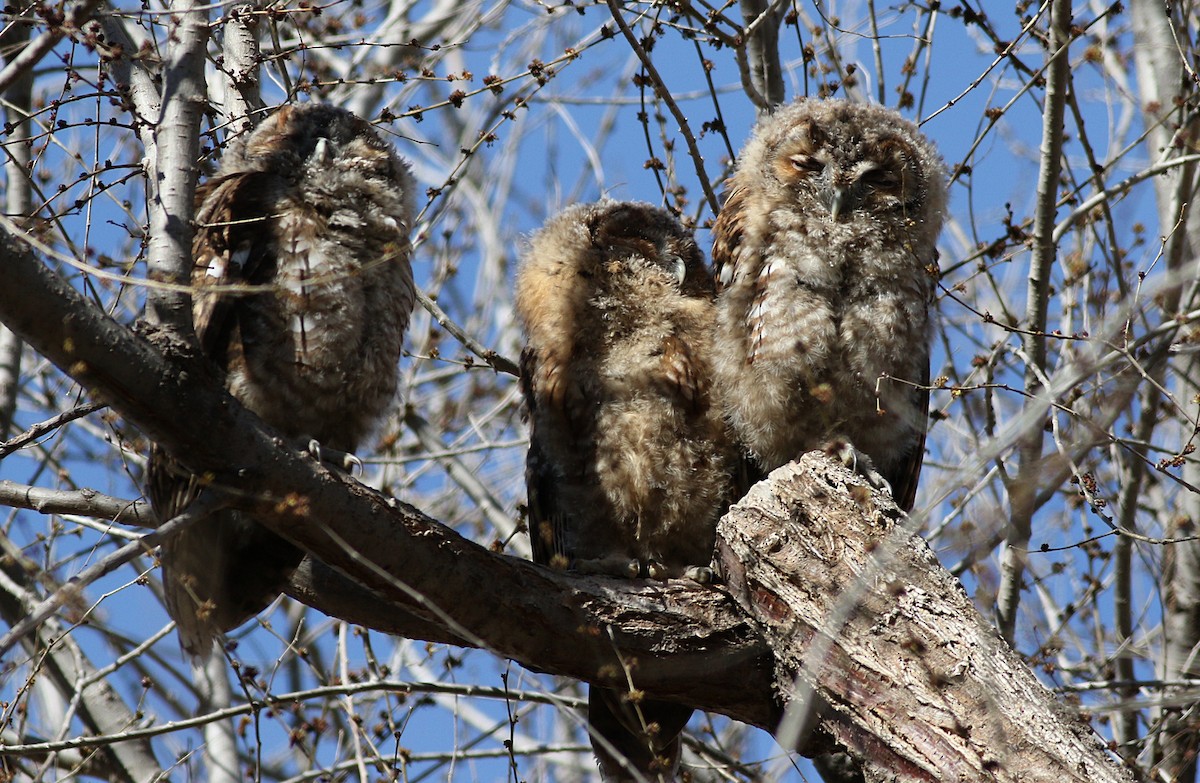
701,574
343,460
844,452
608,566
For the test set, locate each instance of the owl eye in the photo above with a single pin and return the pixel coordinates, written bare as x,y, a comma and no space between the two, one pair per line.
881,178
373,167
806,163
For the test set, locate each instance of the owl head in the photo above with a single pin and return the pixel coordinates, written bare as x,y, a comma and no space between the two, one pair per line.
307,140
849,160
635,233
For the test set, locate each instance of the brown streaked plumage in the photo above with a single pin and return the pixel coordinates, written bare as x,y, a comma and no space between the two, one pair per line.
310,216
826,258
629,455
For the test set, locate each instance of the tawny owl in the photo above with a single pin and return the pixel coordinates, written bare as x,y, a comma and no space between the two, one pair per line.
629,456
826,262
302,293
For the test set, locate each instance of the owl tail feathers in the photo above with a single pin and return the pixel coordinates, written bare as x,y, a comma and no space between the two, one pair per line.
220,572
196,636
635,744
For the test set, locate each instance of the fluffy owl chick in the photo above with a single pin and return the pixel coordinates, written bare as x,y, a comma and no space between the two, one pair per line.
629,457
302,293
826,258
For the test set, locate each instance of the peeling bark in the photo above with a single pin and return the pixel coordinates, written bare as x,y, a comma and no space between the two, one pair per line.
861,615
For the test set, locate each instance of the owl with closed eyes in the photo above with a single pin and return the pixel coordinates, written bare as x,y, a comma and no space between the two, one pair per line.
825,253
630,457
302,291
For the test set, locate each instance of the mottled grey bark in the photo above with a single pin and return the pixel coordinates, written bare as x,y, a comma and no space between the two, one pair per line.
240,97
876,644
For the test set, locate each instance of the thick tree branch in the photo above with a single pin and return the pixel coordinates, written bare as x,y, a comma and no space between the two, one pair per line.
239,71
715,661
761,39
907,651
906,677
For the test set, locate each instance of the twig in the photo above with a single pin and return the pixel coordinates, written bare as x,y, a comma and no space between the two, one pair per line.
69,591
41,428
494,360
465,478
660,87
77,13
296,697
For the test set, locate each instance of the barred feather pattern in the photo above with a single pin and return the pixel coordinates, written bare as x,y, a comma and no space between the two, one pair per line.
302,293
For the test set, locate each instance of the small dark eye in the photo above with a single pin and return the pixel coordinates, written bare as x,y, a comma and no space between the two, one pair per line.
375,167
806,163
881,178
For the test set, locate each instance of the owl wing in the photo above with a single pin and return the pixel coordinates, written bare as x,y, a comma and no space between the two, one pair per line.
233,246
905,475
728,231
223,568
542,479
683,373
228,249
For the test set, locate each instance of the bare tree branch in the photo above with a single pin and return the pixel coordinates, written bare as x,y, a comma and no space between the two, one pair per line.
239,70
21,66
18,197
42,428
761,38
177,150
800,550
1167,100
664,94
78,501
1023,488
59,656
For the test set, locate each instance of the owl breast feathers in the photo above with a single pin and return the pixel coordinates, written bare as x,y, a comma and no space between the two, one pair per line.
302,293
826,256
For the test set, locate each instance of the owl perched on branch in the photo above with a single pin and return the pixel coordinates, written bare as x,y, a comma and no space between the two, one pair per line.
826,259
629,456
302,292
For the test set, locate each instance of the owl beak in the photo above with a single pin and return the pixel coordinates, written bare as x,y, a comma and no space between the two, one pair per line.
679,268
323,153
842,200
